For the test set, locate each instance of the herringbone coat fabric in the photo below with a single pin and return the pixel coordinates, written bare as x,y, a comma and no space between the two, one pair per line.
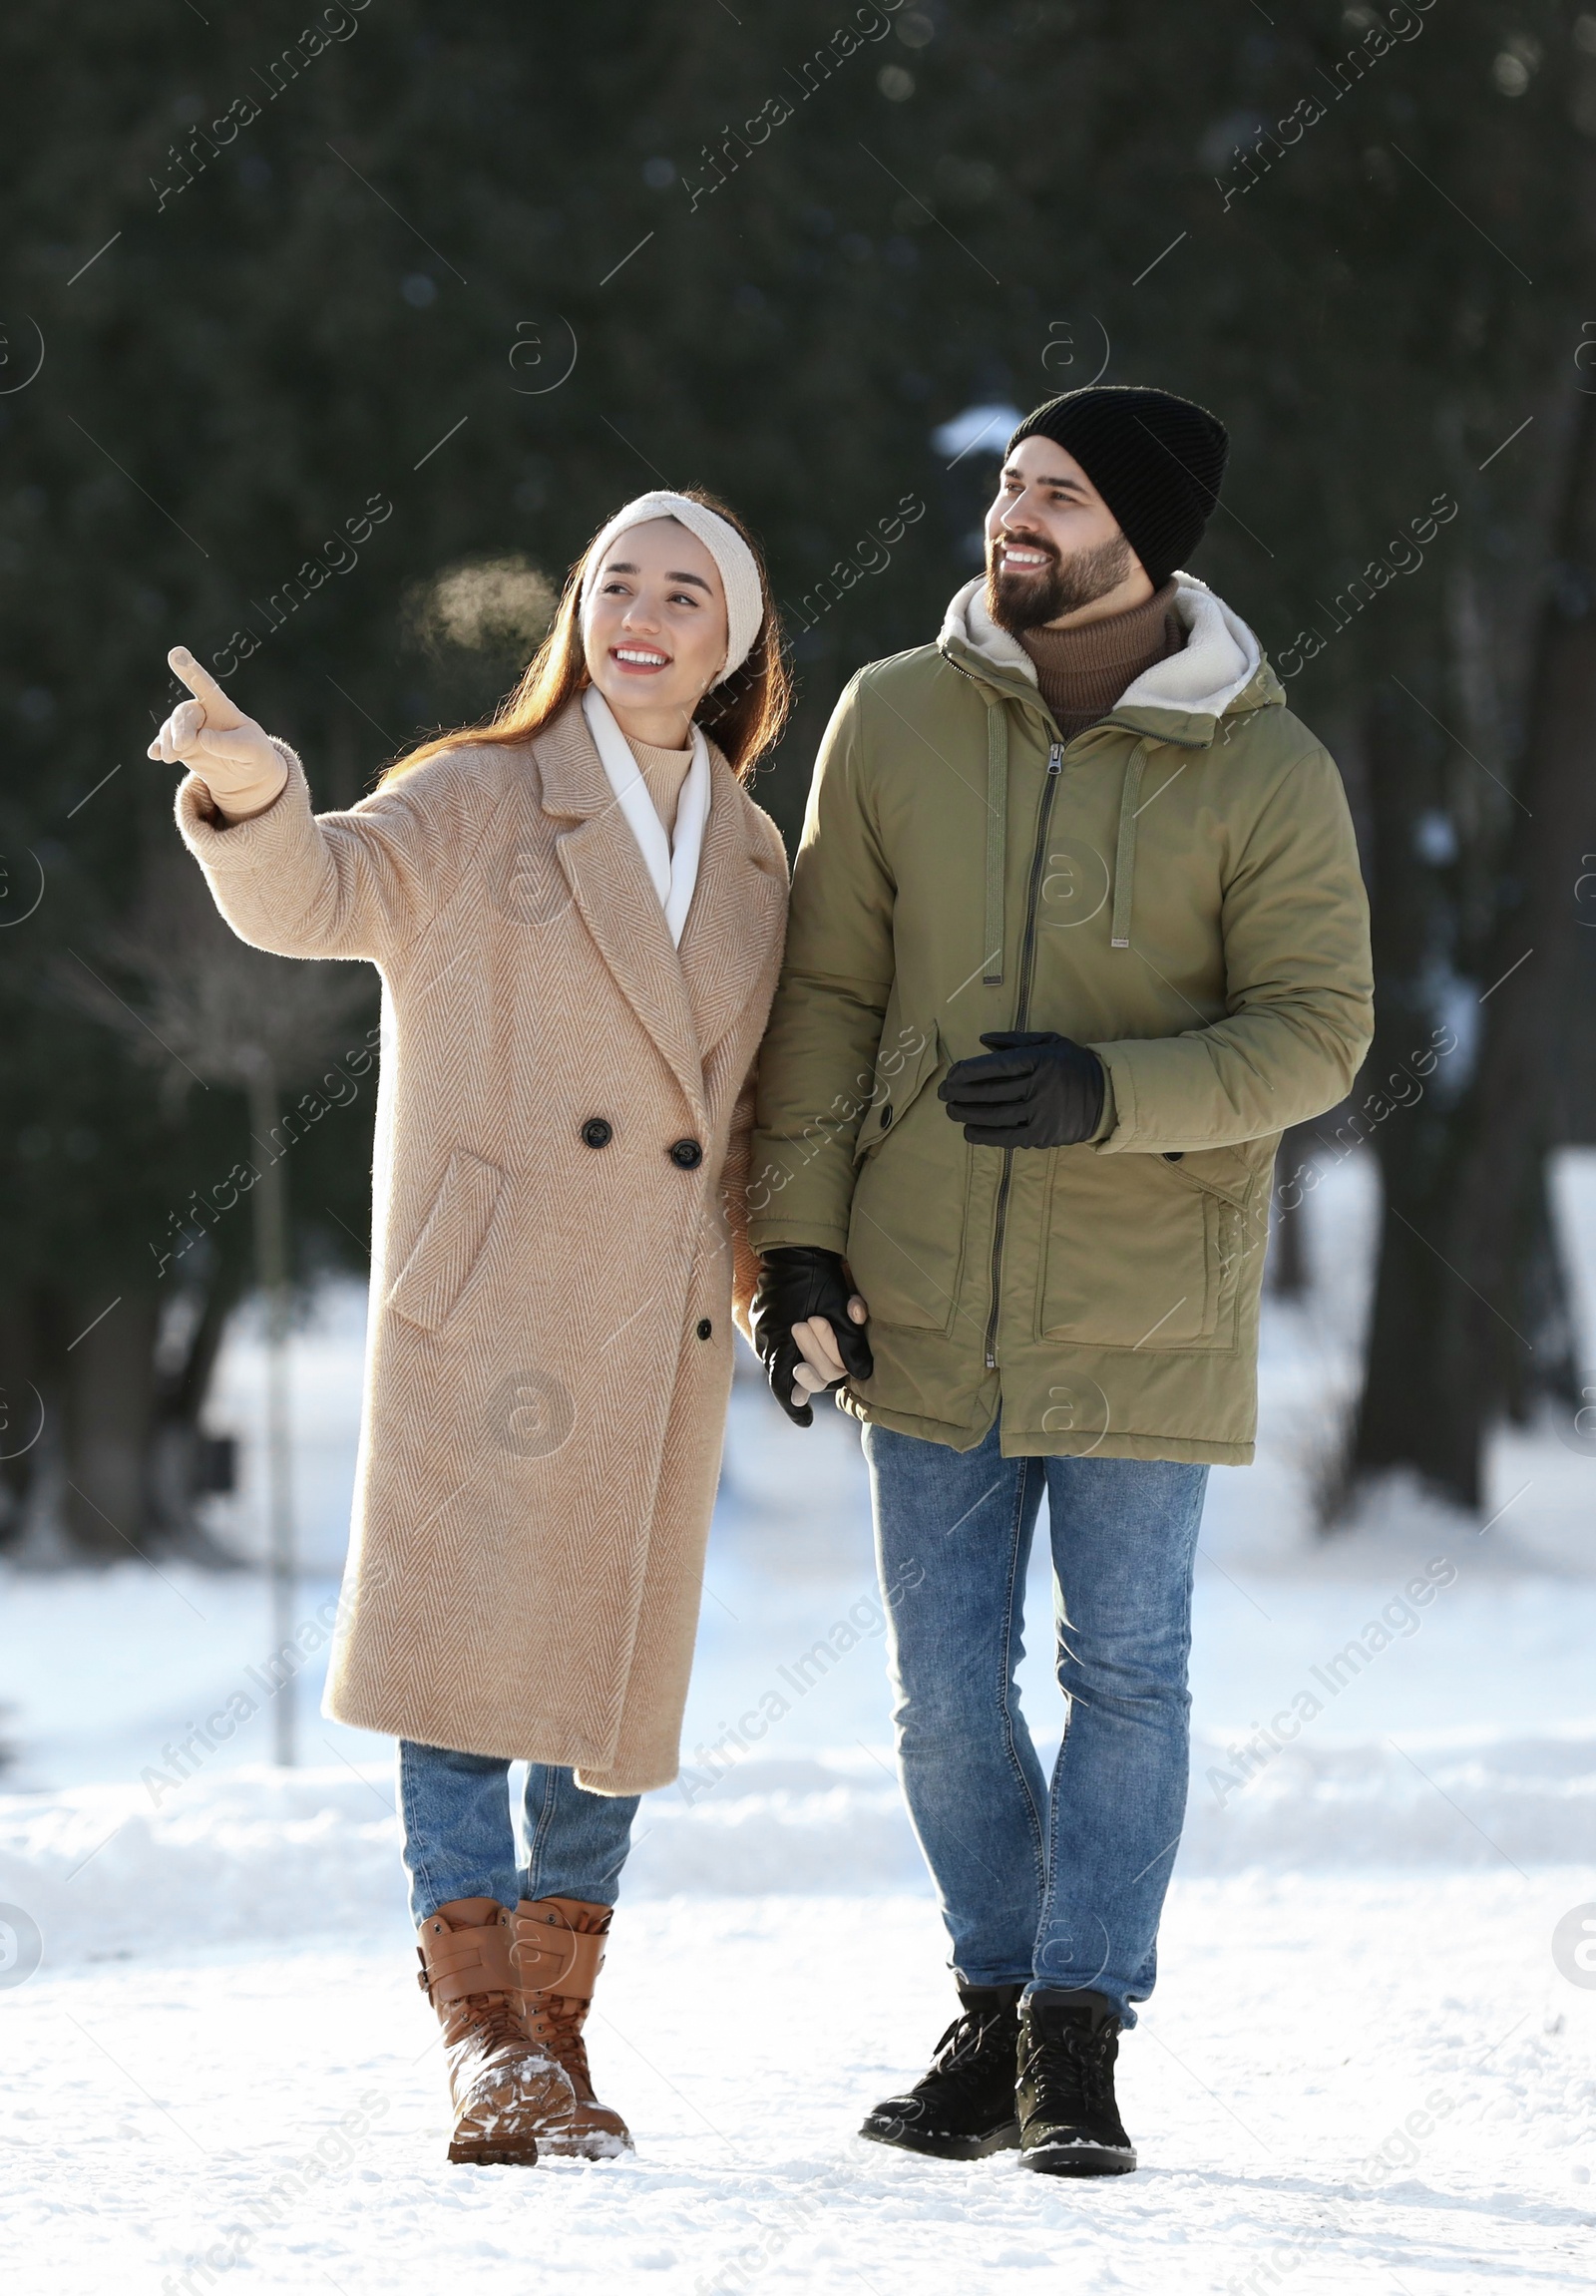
549,1349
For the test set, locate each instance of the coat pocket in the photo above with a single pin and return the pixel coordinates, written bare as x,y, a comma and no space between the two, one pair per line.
902,1070
1140,1251
906,1233
451,1235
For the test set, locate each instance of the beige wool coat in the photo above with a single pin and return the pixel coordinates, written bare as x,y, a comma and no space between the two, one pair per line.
549,1349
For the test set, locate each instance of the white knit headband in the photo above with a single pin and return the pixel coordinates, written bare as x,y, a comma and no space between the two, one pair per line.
739,571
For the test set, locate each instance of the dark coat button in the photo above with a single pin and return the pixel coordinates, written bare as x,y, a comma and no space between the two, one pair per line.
1174,1155
705,1328
598,1133
686,1153
886,1115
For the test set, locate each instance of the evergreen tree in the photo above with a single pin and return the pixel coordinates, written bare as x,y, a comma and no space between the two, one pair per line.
334,304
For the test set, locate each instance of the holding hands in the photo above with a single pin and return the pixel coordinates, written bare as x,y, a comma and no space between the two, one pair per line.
806,1323
238,762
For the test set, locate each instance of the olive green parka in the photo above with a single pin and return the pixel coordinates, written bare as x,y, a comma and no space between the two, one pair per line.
1178,888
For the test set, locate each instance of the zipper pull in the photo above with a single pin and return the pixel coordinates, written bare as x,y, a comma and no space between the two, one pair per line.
1055,757
991,1360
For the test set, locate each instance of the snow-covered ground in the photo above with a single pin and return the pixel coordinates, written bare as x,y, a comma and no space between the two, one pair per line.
1365,2064
277,2117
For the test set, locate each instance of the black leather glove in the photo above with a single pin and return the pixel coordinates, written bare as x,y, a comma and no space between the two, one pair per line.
797,1280
1029,1091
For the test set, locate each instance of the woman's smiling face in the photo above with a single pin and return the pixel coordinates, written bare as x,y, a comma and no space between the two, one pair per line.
654,624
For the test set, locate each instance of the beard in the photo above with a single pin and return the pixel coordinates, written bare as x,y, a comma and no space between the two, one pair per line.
1018,601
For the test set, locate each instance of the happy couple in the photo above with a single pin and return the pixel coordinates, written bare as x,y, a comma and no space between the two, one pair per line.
1079,859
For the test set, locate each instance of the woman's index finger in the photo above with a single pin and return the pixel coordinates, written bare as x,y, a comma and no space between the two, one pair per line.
220,714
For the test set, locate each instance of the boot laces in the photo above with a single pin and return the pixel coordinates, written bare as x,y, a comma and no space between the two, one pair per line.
560,2017
957,2054
1074,2059
493,2019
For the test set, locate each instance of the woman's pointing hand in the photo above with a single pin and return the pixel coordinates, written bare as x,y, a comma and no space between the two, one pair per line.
238,762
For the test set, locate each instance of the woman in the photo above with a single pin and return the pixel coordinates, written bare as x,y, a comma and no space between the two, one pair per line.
577,914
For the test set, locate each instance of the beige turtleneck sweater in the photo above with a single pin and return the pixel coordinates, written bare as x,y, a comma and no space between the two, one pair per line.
1083,671
663,772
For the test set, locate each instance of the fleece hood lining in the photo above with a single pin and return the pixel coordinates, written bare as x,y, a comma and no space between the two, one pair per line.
1219,661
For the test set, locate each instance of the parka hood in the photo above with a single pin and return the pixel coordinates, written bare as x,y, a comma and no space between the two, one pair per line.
1220,660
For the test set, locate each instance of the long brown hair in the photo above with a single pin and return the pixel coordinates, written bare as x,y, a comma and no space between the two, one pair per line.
744,717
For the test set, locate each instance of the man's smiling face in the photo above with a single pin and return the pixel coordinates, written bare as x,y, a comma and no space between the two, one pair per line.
1052,543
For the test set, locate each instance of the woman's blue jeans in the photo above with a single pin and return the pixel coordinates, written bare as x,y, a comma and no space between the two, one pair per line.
459,1832
1063,1888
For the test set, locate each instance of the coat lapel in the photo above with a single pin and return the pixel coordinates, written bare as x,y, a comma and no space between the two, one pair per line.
615,897
737,907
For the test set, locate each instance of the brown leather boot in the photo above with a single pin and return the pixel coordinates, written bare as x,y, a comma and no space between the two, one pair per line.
509,2094
557,1954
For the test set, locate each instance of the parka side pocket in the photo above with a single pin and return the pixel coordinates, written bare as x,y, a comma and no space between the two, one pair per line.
905,1230
1142,1251
902,1072
451,1235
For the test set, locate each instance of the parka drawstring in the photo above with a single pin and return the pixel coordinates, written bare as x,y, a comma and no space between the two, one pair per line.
1125,856
991,976
992,973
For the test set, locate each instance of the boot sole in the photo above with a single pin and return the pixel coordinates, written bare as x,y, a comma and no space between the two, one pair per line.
1078,2160
488,2156
937,2146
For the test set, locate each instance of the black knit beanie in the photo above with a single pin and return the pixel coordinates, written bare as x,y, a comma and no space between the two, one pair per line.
1157,460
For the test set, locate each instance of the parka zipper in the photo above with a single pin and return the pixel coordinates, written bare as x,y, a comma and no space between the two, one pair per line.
1027,963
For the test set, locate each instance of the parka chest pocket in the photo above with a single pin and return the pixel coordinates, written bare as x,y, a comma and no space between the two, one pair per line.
450,1244
906,1233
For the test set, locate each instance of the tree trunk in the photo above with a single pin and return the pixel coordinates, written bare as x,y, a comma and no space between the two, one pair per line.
1287,1268
174,1460
87,1408
108,1381
1407,1413
1507,1335
1470,1314
23,1410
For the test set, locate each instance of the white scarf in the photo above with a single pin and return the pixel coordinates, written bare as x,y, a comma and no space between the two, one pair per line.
671,863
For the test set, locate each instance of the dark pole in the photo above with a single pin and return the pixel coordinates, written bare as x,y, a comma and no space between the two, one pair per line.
271,1266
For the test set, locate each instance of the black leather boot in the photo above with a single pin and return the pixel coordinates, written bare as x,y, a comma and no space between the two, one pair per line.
1070,2125
963,2107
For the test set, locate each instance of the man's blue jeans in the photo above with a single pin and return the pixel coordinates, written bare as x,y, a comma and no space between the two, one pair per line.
1062,1889
460,1838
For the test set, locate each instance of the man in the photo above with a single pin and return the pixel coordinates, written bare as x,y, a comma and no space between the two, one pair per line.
1084,831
